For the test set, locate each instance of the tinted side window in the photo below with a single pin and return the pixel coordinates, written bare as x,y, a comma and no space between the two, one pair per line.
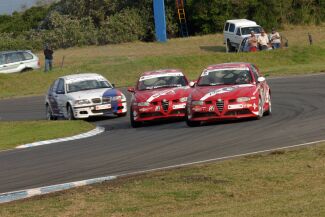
26,56
2,59
238,31
54,86
12,57
255,73
232,27
60,86
226,27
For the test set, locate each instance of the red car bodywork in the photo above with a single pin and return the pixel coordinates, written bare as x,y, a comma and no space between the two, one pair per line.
161,103
224,101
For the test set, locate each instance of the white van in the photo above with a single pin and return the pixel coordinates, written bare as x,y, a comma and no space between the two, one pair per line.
18,61
236,30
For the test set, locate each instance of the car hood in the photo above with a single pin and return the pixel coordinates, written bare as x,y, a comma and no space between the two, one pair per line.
162,93
88,94
222,92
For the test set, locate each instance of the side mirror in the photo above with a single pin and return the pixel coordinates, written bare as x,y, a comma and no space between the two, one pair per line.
59,92
192,84
261,79
131,89
113,85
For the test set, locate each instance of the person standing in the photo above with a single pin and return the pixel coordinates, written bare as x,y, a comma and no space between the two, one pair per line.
263,41
275,39
48,53
252,42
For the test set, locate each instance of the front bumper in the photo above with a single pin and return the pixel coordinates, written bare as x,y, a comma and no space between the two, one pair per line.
222,110
100,110
159,111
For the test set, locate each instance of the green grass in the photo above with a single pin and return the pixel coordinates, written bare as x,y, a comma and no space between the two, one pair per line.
21,132
282,183
123,63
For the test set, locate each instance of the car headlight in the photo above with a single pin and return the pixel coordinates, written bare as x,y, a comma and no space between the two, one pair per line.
243,99
81,102
199,102
183,99
115,98
143,104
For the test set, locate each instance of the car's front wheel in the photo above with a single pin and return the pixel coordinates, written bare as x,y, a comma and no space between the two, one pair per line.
70,114
260,109
191,123
269,111
49,114
134,124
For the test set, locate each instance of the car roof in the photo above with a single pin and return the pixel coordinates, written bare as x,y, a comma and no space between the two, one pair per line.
228,65
13,51
242,22
160,71
85,76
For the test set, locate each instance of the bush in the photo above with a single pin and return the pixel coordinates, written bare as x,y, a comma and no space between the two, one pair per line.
125,26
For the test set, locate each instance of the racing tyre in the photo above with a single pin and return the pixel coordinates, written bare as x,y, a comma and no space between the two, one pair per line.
49,114
269,111
260,109
70,115
134,123
192,123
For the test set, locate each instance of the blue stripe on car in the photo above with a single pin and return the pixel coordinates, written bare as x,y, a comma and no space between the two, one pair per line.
111,93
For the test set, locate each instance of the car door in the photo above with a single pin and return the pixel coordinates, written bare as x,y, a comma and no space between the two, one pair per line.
262,85
12,62
52,98
61,97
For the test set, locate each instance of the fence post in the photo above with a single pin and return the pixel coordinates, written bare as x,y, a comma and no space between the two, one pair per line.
310,38
62,62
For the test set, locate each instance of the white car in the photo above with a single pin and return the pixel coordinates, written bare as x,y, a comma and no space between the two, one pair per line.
18,61
83,95
236,30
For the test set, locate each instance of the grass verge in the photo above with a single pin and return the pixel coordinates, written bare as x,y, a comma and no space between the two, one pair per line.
282,183
22,132
123,63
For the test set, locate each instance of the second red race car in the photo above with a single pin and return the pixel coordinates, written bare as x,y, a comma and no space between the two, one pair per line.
228,91
160,94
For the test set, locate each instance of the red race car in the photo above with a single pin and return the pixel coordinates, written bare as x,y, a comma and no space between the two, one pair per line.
228,91
159,94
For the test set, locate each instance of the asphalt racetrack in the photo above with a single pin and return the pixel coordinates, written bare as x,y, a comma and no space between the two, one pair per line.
298,105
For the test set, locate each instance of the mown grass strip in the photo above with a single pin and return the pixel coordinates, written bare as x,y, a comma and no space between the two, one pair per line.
17,133
281,183
123,63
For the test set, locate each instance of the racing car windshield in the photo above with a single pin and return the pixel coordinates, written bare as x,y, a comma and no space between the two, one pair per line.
87,85
162,82
225,77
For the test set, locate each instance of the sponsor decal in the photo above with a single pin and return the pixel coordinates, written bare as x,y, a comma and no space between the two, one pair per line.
157,109
144,109
83,78
216,92
160,75
211,108
161,93
104,106
179,106
206,72
254,106
236,106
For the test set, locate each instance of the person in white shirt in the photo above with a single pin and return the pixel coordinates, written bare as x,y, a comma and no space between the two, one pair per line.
275,39
263,41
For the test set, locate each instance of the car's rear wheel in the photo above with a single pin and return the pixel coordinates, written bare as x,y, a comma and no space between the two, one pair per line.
70,114
134,124
49,113
260,109
230,48
269,111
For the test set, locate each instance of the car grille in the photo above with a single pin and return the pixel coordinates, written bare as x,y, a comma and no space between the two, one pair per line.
106,99
96,100
165,105
220,105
